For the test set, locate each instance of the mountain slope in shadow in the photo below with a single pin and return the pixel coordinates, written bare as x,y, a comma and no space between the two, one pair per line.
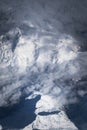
20,115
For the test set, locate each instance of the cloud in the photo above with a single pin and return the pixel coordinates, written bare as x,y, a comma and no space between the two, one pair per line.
40,65
46,55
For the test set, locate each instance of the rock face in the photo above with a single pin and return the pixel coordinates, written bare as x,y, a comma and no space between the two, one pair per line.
43,52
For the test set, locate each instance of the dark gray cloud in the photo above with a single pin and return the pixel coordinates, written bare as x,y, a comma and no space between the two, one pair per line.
67,17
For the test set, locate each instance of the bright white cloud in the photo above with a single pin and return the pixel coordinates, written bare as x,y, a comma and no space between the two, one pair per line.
24,53
44,67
